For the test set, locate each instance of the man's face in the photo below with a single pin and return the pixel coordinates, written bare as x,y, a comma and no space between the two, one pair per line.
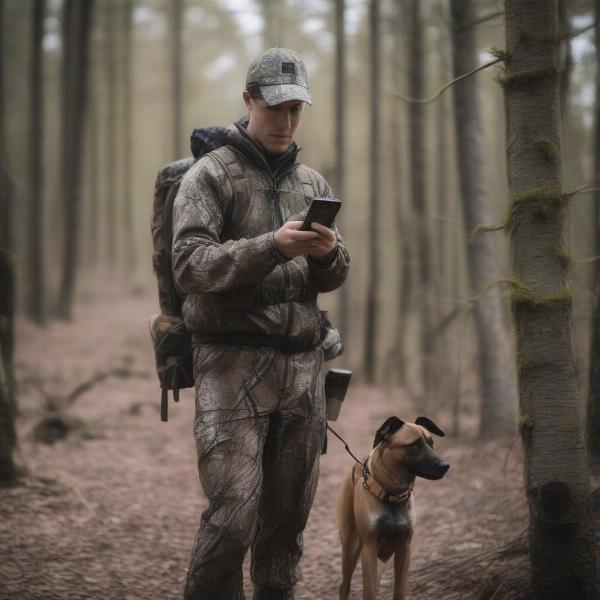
273,126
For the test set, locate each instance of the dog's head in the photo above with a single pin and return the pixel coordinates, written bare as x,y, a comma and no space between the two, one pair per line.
411,445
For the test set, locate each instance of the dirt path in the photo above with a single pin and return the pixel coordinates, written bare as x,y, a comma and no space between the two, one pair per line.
111,511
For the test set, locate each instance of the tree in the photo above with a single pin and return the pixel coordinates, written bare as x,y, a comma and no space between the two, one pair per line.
77,21
110,68
496,378
402,214
418,187
340,143
35,222
593,420
130,246
374,260
177,68
8,438
562,541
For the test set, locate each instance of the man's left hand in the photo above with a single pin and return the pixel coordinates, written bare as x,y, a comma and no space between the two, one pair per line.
322,247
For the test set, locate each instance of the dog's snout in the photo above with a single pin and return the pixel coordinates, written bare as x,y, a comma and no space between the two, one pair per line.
443,466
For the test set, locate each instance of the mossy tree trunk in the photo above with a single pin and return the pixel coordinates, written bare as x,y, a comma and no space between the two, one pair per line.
418,188
496,372
561,528
373,238
593,421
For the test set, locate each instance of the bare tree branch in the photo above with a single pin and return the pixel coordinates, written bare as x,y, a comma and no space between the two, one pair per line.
449,84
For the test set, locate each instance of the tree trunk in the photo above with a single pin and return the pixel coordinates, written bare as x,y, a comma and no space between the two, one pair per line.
340,148
593,420
418,192
496,375
111,201
8,438
373,240
566,63
77,24
402,213
35,222
129,229
562,541
176,27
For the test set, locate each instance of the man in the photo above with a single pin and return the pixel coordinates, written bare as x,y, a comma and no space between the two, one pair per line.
250,280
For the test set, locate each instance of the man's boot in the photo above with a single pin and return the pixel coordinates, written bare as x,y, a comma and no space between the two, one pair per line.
264,593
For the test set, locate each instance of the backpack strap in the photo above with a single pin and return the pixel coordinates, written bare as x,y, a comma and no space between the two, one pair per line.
235,170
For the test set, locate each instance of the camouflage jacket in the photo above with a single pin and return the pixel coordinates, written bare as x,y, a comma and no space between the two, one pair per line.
225,261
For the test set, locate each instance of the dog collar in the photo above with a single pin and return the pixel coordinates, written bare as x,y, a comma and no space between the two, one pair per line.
376,489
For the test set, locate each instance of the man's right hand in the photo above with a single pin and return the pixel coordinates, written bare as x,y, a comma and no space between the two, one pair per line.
291,242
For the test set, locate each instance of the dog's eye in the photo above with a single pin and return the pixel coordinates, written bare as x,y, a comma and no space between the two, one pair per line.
430,443
414,446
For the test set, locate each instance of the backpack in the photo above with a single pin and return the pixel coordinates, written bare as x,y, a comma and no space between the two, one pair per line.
171,340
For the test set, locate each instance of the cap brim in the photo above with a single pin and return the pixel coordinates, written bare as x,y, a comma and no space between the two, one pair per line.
284,92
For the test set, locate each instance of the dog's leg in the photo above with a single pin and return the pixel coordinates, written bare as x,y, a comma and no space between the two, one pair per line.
369,571
350,552
401,562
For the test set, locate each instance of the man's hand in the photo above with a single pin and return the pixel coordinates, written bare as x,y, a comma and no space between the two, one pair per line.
291,242
317,244
324,245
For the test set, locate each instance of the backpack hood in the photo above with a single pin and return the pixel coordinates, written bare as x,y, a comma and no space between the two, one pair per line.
207,139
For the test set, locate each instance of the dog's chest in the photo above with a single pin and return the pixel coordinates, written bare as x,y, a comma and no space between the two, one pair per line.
393,520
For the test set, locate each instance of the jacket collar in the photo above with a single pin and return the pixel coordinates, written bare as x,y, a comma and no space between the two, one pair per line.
275,166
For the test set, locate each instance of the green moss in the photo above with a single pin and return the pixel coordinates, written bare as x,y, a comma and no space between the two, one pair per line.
546,201
547,148
525,422
520,294
499,53
526,77
564,258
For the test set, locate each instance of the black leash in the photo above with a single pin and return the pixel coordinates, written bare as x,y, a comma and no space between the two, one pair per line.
339,437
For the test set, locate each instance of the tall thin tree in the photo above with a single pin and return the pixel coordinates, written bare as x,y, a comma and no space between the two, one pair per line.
77,22
35,221
402,210
129,230
593,411
111,203
562,544
340,144
177,74
8,438
496,377
418,186
373,240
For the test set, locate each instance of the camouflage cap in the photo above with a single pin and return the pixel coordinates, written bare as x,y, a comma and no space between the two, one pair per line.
281,76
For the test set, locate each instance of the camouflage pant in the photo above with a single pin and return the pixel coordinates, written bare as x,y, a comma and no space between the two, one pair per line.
259,428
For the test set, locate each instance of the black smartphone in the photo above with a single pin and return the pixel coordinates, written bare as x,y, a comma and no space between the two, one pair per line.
321,210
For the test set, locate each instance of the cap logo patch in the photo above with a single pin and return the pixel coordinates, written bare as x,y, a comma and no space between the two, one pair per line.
288,67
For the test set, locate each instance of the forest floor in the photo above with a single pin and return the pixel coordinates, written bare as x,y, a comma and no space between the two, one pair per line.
111,511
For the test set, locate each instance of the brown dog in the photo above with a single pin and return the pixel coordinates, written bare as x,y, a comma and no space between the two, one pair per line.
375,507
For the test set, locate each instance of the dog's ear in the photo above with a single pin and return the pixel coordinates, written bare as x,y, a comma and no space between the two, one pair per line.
429,425
390,426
